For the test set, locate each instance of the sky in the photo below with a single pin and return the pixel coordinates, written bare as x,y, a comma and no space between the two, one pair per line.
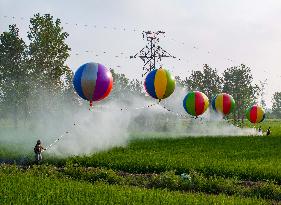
221,33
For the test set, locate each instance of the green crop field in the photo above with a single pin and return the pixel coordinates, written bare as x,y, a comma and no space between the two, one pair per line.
27,188
151,170
254,158
140,102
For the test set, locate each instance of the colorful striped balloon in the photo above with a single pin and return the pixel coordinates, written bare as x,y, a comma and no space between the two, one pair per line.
92,82
255,114
223,103
159,83
195,103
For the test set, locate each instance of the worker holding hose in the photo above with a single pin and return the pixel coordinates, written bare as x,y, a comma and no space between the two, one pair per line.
38,149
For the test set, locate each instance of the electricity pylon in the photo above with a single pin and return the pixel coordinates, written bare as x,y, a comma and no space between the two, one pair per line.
152,53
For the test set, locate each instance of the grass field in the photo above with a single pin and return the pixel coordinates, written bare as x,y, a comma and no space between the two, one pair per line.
25,188
254,158
184,170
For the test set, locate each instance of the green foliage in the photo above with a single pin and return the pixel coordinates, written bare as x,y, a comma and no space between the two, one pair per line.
262,92
92,174
238,82
47,185
124,88
240,166
48,51
207,81
276,104
232,166
14,74
26,189
166,180
247,158
34,73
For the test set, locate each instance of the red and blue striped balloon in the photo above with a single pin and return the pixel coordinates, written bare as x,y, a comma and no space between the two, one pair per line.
92,82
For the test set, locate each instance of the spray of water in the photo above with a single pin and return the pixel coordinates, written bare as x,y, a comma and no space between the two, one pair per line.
110,124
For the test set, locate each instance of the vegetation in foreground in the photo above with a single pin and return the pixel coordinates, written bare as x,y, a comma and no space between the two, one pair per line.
230,170
28,188
247,158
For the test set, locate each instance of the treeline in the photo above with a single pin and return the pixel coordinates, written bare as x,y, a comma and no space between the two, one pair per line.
236,81
33,73
34,76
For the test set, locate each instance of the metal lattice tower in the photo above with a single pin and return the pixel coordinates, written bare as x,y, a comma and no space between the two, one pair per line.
152,53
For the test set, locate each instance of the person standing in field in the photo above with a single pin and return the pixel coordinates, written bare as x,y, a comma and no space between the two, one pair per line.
268,132
260,130
38,149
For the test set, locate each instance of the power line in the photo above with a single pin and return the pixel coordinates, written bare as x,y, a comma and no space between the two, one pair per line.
147,57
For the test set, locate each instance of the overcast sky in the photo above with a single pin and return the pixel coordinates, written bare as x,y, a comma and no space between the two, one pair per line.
223,32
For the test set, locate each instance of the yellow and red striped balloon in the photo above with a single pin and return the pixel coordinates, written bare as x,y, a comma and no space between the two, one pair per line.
195,103
255,114
159,83
223,103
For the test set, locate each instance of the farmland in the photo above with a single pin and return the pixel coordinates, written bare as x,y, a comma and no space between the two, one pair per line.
152,170
29,189
145,102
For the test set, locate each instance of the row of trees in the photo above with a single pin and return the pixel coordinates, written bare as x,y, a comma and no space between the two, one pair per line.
35,72
237,81
29,70
276,105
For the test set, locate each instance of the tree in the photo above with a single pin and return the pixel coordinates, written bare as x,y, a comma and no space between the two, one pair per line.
120,85
30,75
48,52
68,93
180,82
136,87
262,92
14,75
125,89
207,81
276,104
238,82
